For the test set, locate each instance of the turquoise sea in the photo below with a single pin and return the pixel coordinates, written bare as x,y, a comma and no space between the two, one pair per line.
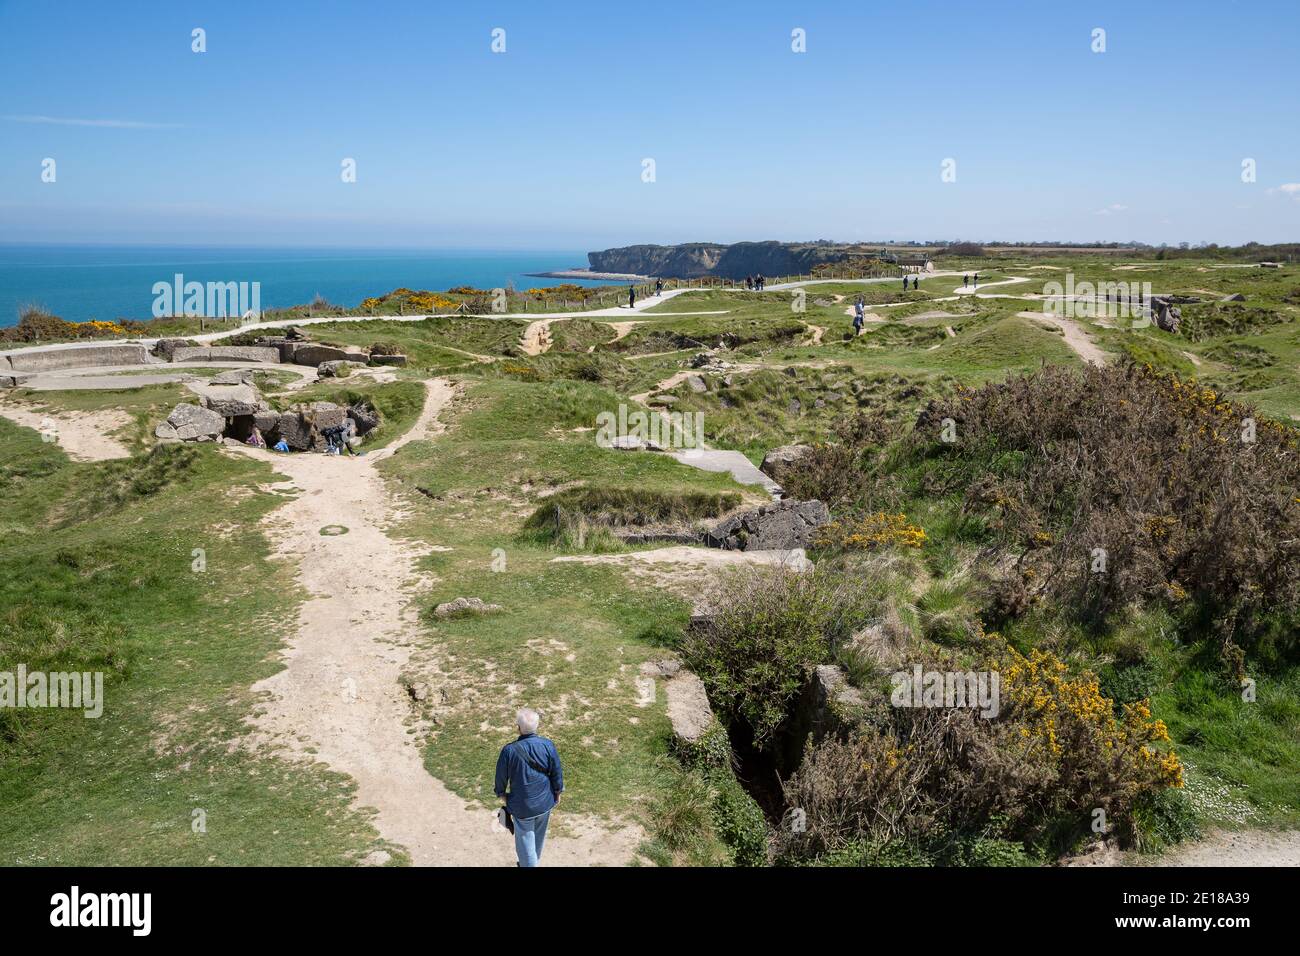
82,282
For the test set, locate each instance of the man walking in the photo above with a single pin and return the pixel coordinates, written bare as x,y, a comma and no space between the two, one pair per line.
530,767
631,297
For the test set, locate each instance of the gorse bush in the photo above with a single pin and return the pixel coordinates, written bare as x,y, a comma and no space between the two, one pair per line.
876,530
37,325
1055,752
1123,484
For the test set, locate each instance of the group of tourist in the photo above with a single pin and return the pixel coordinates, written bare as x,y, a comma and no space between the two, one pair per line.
755,283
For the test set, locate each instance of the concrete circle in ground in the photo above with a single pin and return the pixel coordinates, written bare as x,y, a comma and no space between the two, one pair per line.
333,530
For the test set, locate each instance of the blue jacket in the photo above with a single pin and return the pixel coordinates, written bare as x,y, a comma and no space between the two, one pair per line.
531,766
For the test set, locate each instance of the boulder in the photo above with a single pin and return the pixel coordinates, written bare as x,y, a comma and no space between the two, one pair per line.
777,462
627,443
233,376
336,369
296,431
327,415
231,400
696,383
780,526
387,359
1235,297
688,708
166,431
196,423
266,422
465,605
366,418
662,400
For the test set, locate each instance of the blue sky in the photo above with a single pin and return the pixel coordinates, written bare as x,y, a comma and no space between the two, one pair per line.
542,146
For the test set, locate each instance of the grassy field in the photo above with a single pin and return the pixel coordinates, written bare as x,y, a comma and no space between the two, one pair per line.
95,561
97,574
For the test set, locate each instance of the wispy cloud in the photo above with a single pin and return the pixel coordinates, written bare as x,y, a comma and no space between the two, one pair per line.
104,123
1288,189
1111,209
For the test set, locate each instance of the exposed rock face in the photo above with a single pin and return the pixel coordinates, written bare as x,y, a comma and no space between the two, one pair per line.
231,400
827,704
365,417
780,526
688,707
335,369
266,422
301,428
195,423
465,605
694,259
1168,317
777,462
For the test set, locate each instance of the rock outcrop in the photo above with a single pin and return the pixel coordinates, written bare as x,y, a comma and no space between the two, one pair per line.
462,606
694,259
777,462
780,526
192,423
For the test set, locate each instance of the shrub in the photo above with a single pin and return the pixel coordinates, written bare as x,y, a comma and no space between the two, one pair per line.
877,530
833,472
1157,472
1054,753
769,627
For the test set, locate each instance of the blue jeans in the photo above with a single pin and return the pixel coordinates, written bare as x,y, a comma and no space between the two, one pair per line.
530,834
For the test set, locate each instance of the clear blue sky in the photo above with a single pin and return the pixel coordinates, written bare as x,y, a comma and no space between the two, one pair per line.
541,147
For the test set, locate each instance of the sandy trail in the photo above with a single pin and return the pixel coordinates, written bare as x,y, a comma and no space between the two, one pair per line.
537,337
339,697
621,329
1075,337
1238,848
85,436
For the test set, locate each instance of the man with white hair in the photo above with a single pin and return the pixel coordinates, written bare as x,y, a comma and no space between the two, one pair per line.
530,765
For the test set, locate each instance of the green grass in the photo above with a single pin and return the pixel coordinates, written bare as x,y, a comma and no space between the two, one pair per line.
97,576
570,636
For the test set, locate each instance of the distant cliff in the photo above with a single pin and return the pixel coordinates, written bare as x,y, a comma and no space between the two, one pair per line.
692,259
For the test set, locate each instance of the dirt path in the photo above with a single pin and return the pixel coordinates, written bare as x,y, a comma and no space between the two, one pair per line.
85,436
1238,848
537,337
1075,337
621,329
339,697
